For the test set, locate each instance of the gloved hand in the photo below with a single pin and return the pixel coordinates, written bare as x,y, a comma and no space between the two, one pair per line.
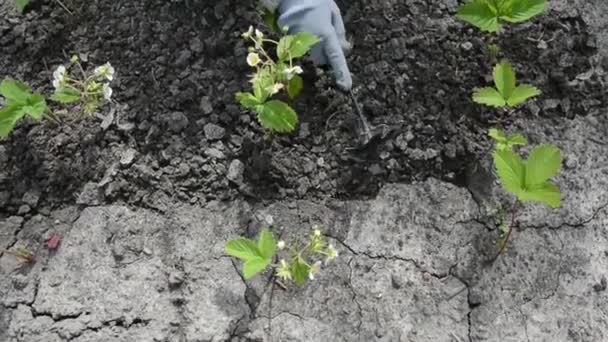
323,19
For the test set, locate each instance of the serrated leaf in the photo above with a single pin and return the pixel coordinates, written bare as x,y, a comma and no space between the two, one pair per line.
66,95
510,169
295,46
243,249
21,4
35,106
497,134
267,244
300,271
254,266
489,96
543,163
261,83
9,116
294,87
302,43
522,93
504,79
516,139
247,100
277,116
15,91
522,10
479,14
547,193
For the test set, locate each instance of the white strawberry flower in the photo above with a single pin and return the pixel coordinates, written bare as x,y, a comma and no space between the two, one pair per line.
106,70
276,88
59,76
281,245
248,34
253,59
290,72
259,34
107,92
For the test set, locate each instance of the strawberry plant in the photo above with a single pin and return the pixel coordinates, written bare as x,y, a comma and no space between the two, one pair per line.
488,15
88,91
273,76
528,180
505,93
20,101
302,260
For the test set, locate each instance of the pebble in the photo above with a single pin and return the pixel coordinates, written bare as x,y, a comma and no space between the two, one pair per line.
127,157
205,105
235,171
177,122
214,132
176,278
31,198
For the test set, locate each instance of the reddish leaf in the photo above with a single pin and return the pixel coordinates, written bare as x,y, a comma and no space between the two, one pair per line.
53,242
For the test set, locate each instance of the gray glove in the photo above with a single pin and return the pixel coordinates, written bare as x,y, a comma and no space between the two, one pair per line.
323,19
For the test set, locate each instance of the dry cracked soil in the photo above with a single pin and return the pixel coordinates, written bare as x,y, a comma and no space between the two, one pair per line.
145,197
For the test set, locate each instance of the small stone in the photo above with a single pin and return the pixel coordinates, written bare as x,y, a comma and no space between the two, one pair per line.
24,209
467,46
205,105
127,157
551,104
176,278
90,194
603,284
571,162
31,198
214,153
214,132
177,121
235,171
196,45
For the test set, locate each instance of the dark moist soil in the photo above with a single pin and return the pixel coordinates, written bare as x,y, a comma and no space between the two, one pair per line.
179,64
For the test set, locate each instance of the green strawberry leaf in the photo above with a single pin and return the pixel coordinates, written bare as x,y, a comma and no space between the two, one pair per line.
247,100
21,4
243,249
504,79
302,43
511,170
507,142
516,139
35,106
521,94
498,135
253,266
9,116
66,95
522,10
294,87
299,271
277,116
489,96
295,46
15,91
479,14
267,244
543,163
547,193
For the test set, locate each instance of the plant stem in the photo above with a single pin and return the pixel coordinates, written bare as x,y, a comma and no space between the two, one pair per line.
50,115
511,227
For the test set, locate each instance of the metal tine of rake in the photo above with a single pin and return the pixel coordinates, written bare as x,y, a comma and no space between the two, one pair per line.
367,131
